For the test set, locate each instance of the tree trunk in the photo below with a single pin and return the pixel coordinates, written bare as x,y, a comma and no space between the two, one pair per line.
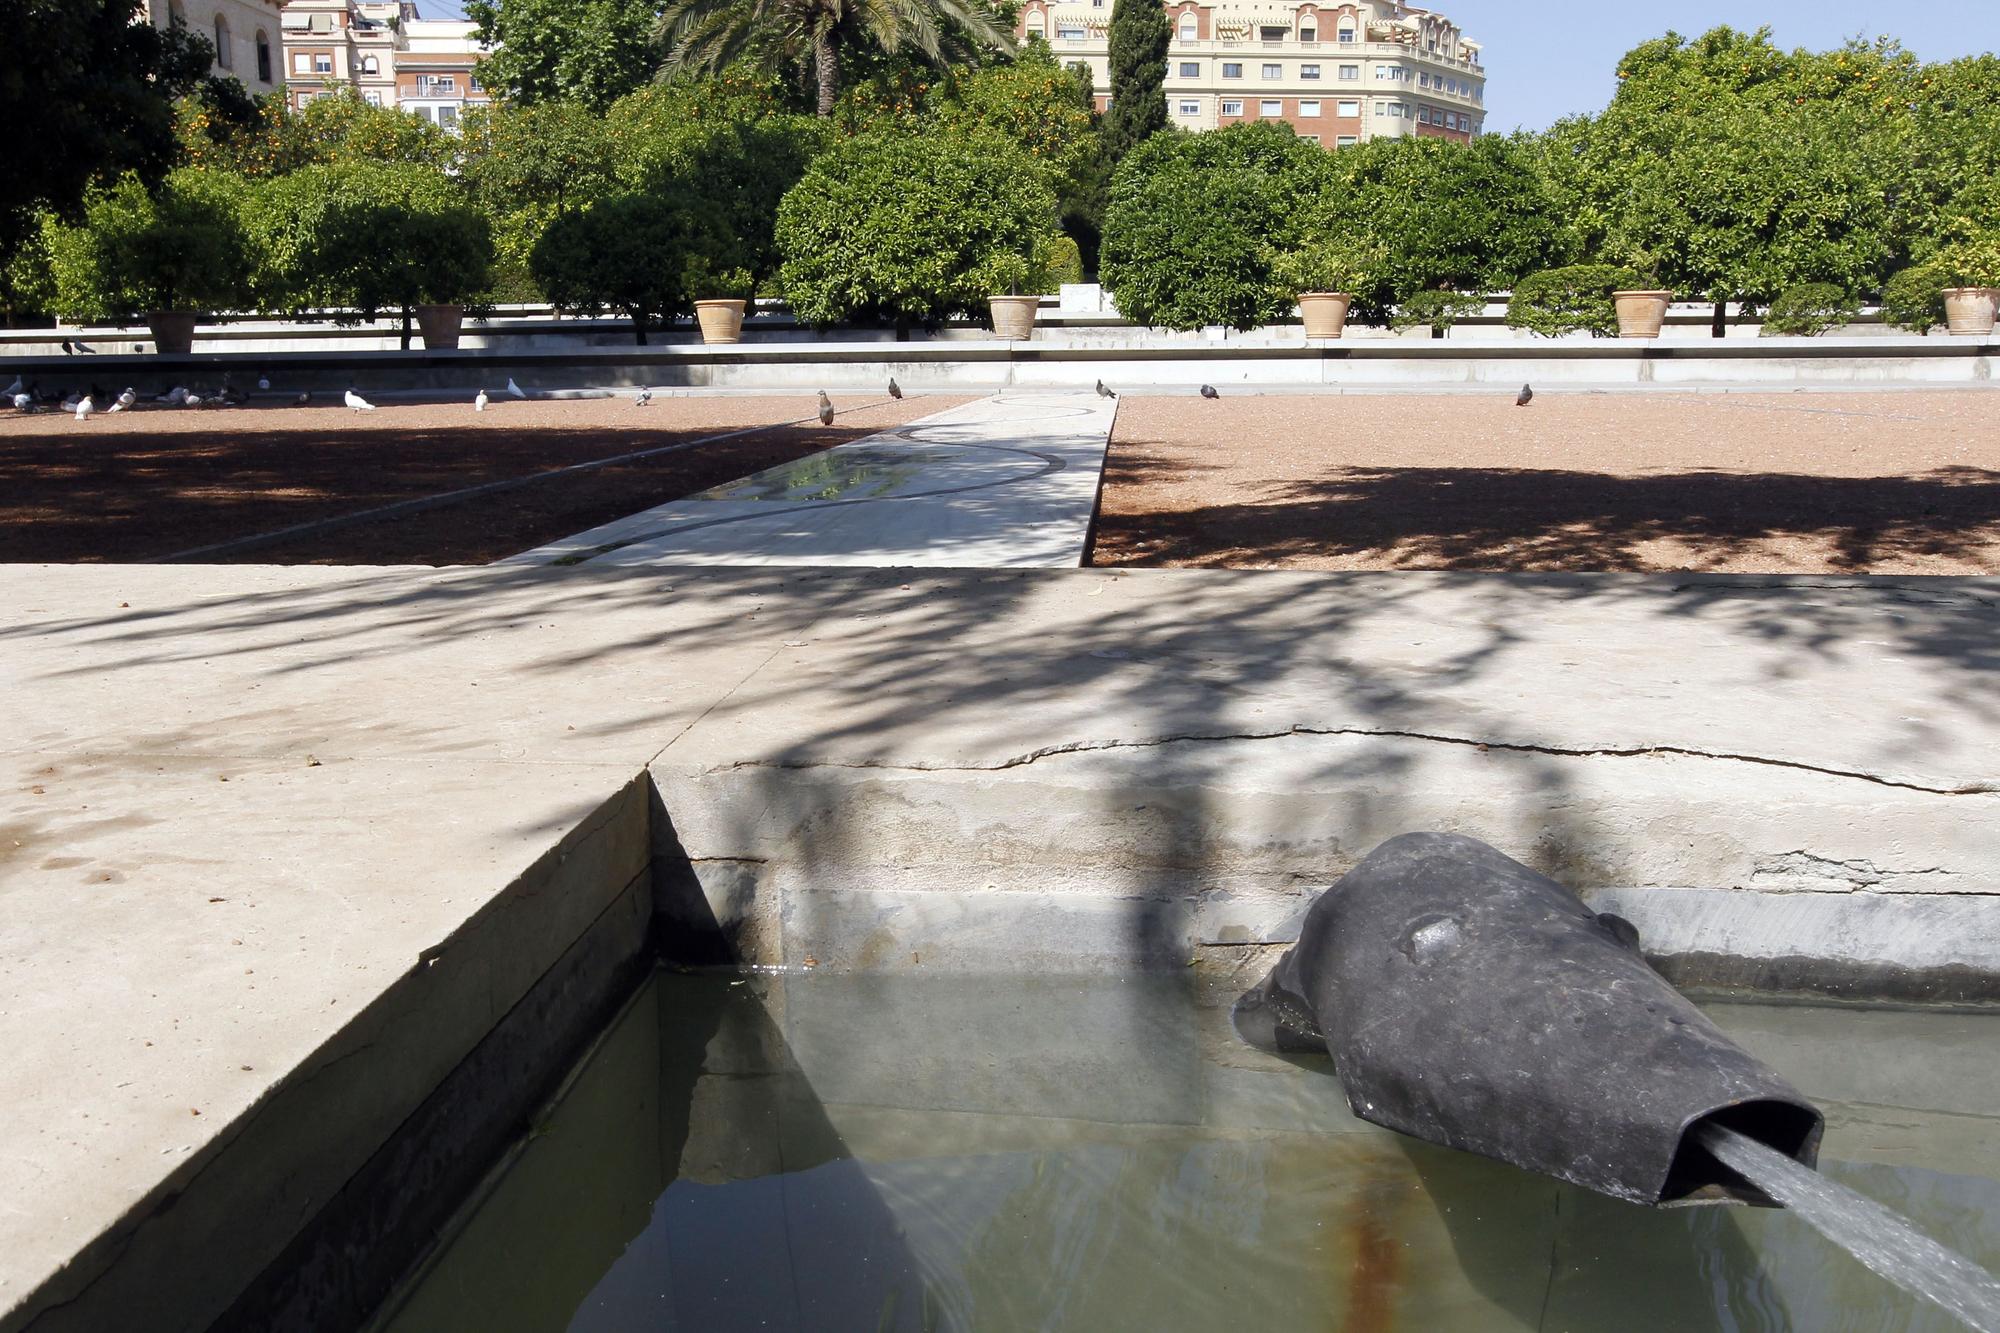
639,327
406,328
1720,327
826,69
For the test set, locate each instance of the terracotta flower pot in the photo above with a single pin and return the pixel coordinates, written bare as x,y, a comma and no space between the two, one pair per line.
1969,310
1641,314
1014,316
721,320
1324,313
173,332
440,325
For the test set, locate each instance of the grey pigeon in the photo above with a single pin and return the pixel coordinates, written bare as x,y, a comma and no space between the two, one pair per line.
645,396
825,409
895,389
1527,396
1103,392
303,399
67,349
1208,391
264,383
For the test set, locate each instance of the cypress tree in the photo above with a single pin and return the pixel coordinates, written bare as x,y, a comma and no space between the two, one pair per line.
1140,33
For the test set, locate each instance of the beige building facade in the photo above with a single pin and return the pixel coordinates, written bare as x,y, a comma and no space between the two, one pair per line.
385,50
245,34
1338,74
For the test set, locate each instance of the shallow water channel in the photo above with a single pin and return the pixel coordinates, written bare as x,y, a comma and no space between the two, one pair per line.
820,1152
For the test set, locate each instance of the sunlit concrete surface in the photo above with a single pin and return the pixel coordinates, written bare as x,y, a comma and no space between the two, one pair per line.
1009,481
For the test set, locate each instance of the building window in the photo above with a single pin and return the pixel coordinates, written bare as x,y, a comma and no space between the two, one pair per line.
370,65
1274,71
1423,115
263,56
1190,108
373,97
1381,108
472,84
301,63
448,117
1232,108
1347,36
1069,32
322,63
1189,28
1308,71
1231,70
1451,85
1273,34
1345,141
1348,109
223,55
1423,80
1190,69
1271,107
1308,34
1350,72
1308,109
176,15
1309,138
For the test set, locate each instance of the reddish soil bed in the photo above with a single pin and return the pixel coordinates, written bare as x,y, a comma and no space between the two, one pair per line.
142,485
1890,483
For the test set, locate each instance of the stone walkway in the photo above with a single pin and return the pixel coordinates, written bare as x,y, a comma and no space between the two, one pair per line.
1008,481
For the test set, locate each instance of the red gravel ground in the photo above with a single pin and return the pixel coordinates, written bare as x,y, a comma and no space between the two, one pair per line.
1892,483
142,485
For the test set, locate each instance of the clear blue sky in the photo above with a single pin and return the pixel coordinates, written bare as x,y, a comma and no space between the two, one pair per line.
1549,58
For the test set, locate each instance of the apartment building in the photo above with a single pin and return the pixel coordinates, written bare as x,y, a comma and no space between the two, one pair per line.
385,50
1338,74
243,32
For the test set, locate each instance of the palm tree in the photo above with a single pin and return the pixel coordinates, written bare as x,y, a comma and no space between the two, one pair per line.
701,36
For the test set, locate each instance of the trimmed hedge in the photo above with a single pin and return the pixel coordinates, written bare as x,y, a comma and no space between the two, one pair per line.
1809,310
1576,299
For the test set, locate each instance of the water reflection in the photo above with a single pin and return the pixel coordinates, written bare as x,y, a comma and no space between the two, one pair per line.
861,1153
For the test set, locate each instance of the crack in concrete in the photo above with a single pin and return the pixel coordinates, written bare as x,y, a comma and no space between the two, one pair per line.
1808,870
1981,788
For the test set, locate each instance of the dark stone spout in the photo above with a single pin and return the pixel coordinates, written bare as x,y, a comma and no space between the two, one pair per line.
1471,1002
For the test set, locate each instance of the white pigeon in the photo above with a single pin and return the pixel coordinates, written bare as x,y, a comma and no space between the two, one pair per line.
514,390
479,403
124,401
644,397
15,387
23,402
192,400
85,407
357,402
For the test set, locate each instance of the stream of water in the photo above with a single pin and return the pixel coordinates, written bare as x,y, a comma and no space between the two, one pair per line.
1886,1244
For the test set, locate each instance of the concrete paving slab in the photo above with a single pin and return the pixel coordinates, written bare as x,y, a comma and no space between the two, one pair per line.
1009,481
1157,759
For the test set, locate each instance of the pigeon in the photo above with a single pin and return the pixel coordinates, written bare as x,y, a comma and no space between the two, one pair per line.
479,401
85,407
15,387
514,390
895,389
643,398
825,409
87,351
67,349
1527,396
264,383
357,402
173,397
193,400
71,402
125,401
24,402
1103,392
303,398
1208,391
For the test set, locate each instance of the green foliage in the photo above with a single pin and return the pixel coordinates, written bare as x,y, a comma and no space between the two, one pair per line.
640,254
86,94
1437,310
1809,310
739,160
1913,300
1031,102
1571,300
1065,262
591,52
180,248
1346,264
1447,215
269,138
1138,41
812,40
891,226
1195,223
525,165
369,236
1970,259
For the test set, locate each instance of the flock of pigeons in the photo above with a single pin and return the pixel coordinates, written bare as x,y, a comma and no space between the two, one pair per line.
28,398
